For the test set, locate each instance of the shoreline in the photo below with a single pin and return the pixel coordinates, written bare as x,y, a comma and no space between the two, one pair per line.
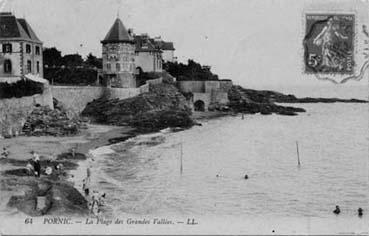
16,187
95,136
52,148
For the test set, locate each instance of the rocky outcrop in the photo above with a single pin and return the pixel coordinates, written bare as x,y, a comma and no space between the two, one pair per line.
163,106
267,96
48,195
45,197
45,121
156,120
253,101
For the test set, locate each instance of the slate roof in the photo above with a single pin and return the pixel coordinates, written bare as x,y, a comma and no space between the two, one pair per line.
143,44
28,30
118,33
13,28
165,45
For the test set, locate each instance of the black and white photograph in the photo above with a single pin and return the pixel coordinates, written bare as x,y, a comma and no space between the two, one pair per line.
184,117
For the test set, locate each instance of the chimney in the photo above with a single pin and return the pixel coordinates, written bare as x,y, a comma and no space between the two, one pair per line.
130,31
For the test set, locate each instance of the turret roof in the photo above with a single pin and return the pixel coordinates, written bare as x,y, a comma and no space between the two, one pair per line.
118,33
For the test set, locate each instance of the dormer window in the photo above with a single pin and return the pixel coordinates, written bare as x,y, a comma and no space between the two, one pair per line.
28,48
7,48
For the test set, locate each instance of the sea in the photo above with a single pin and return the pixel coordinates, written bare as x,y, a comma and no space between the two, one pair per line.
200,172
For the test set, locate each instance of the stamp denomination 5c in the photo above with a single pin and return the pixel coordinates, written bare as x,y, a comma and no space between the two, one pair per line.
329,43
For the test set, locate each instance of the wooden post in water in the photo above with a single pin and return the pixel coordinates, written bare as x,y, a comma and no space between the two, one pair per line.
298,154
181,167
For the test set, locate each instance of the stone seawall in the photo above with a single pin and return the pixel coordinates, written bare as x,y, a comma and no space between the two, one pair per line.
122,93
154,81
14,111
75,98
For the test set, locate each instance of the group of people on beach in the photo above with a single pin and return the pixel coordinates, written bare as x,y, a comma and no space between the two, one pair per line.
34,166
96,199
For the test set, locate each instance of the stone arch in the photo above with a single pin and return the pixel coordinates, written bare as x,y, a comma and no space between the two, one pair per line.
138,70
199,105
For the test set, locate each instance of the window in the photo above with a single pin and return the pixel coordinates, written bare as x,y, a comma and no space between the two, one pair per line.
37,50
29,66
7,48
7,66
28,48
38,67
108,66
125,67
117,67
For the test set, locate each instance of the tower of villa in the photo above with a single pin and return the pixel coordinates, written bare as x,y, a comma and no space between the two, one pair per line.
118,56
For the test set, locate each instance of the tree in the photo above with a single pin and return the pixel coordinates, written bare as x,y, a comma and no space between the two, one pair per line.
52,57
92,61
191,71
72,60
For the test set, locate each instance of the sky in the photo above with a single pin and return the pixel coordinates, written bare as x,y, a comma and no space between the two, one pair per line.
255,43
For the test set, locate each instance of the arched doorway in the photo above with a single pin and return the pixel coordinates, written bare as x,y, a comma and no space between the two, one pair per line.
138,70
199,105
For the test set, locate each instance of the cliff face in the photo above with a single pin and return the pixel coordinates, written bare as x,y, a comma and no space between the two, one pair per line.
163,106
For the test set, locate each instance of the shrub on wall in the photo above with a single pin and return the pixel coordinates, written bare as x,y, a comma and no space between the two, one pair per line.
20,88
71,76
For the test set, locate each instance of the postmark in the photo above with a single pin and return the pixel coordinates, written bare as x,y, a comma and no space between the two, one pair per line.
329,44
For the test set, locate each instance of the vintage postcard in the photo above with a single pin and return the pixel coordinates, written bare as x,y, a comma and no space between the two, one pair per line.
184,117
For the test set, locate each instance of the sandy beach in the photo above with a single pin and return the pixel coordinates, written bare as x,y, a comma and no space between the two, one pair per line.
49,148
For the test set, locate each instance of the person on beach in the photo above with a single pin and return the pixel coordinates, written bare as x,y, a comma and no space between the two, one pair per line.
86,186
4,153
86,183
73,152
95,209
97,201
30,168
36,164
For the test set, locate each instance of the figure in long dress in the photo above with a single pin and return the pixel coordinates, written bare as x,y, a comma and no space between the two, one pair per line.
326,39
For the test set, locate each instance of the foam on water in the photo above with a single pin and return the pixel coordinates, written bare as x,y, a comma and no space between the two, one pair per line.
141,176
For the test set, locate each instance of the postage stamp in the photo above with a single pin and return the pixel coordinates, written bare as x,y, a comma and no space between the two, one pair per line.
329,43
